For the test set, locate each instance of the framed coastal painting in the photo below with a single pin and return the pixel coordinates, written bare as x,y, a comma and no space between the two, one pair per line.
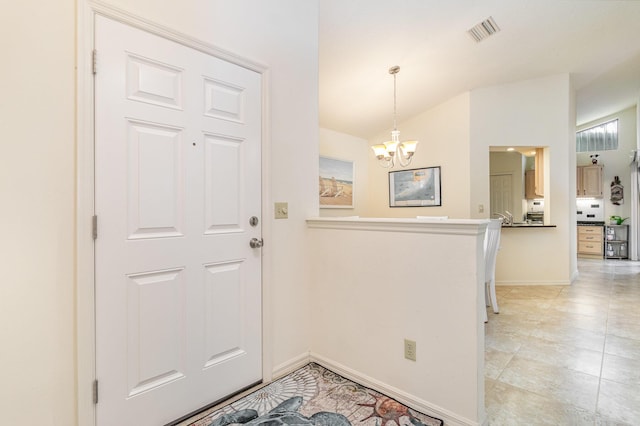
415,188
336,185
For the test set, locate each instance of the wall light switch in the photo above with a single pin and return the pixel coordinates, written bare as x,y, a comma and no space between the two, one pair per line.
281,210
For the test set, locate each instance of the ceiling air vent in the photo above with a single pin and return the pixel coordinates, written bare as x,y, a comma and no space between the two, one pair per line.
484,29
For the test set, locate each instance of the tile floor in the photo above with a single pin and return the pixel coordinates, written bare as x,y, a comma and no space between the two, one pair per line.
567,355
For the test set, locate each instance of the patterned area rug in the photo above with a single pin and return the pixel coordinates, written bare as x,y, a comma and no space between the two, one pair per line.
316,396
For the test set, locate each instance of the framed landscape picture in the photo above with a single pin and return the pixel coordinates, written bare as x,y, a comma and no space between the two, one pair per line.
415,188
336,185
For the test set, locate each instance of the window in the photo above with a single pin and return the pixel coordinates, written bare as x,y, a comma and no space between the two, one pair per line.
603,137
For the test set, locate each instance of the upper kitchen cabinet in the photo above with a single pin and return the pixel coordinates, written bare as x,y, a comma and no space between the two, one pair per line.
589,181
530,192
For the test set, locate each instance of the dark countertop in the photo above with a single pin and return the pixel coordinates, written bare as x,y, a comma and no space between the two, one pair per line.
528,225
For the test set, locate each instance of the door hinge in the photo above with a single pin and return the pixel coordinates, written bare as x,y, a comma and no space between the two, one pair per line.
94,225
94,60
95,391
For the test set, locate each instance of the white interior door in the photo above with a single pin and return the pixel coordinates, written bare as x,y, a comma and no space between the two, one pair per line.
501,194
178,289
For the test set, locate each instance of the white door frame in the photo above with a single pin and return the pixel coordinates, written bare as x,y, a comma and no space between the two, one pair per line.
85,260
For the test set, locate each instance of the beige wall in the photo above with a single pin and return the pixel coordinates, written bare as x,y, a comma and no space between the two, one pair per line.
530,113
37,169
389,281
443,133
346,147
615,162
37,175
457,134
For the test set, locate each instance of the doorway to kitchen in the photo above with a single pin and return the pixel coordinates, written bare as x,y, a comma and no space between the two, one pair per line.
501,190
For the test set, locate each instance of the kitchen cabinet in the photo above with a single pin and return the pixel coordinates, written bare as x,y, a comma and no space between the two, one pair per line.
530,185
534,179
590,240
616,242
589,181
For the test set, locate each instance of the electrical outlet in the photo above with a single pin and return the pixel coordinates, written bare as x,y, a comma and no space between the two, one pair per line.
480,208
410,349
281,210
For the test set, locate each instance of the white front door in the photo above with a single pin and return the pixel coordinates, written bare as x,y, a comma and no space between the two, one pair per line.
178,288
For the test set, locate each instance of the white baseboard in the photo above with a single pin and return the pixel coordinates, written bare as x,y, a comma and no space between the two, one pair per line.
525,283
290,365
449,418
575,275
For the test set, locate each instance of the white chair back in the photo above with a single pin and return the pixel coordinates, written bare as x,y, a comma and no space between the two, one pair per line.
491,247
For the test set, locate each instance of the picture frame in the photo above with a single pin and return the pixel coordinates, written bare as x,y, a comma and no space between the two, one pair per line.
415,187
336,186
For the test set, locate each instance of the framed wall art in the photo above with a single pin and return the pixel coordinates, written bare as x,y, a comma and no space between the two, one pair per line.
336,185
415,188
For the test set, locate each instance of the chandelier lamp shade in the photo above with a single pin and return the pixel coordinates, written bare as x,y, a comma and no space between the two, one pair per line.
390,152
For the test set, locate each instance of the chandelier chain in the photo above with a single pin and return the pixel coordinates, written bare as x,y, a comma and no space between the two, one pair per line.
394,150
395,113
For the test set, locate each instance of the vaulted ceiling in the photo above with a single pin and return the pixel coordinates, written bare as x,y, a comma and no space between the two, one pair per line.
596,41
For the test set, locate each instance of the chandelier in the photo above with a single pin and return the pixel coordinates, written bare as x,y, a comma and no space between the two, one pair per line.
389,151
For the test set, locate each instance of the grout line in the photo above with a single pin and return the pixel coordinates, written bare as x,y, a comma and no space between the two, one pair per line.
604,343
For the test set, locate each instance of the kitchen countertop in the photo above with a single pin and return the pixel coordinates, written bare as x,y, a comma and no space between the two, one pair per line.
528,225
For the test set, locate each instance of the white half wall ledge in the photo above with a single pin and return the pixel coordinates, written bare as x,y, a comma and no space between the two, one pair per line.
413,225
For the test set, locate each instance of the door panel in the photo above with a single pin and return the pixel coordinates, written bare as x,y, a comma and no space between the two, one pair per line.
155,323
178,289
224,293
500,190
223,184
156,181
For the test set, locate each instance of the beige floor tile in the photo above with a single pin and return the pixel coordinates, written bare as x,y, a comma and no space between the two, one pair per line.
569,319
501,289
595,310
488,385
561,384
561,355
534,292
495,361
624,327
586,339
625,307
608,421
589,293
566,347
619,402
508,405
621,346
504,324
620,369
504,342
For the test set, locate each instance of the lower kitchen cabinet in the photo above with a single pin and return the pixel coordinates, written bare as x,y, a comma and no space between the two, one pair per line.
590,241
